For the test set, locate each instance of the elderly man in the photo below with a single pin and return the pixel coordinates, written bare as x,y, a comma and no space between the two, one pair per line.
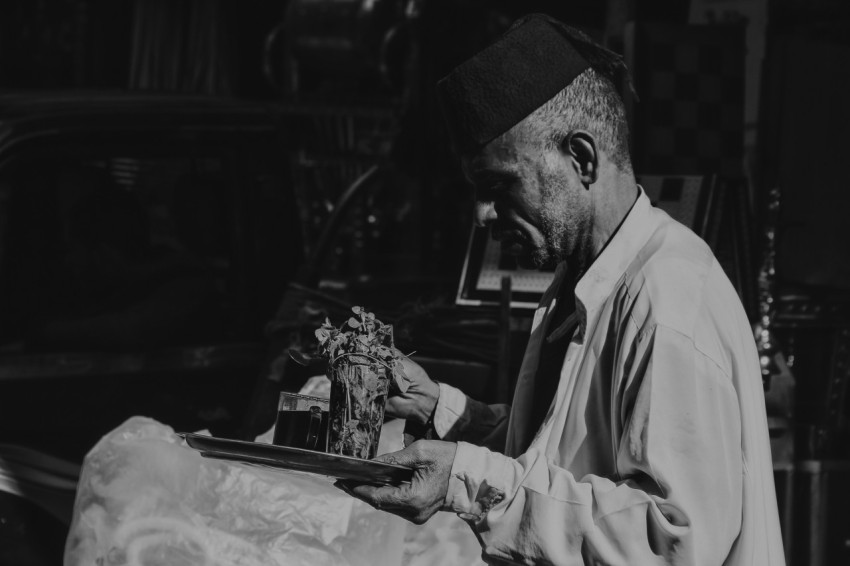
637,433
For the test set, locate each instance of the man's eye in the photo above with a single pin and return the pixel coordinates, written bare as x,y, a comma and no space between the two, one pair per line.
492,189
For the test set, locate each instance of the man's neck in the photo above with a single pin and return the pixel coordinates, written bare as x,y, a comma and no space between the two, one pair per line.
615,199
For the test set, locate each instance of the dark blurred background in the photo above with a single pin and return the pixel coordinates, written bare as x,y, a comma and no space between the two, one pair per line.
188,187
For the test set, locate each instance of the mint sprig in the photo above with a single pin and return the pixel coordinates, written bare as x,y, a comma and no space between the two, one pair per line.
363,334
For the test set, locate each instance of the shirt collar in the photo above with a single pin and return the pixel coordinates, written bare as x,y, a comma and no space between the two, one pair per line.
598,281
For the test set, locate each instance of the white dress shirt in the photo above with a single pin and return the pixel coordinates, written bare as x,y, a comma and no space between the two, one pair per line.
655,448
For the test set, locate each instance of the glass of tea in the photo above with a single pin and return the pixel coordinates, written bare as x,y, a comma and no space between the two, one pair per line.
302,422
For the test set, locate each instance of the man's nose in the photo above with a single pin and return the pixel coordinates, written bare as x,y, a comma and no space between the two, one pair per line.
484,213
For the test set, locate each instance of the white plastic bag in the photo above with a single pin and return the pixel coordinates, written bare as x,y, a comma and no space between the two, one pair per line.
145,498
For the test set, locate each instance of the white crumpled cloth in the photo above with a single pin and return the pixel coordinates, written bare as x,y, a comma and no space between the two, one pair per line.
145,498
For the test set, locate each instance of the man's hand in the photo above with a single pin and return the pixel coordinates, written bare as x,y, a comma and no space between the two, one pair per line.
418,402
417,501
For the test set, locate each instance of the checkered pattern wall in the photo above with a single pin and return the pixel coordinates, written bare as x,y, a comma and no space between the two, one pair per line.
690,82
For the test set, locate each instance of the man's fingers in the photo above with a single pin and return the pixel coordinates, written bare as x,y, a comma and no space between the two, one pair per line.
358,491
340,484
387,498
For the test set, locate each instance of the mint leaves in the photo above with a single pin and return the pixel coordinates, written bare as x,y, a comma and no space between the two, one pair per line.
366,335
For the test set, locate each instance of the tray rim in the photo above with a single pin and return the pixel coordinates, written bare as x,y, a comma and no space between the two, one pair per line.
235,450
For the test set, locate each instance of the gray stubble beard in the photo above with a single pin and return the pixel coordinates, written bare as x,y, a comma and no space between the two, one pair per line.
567,235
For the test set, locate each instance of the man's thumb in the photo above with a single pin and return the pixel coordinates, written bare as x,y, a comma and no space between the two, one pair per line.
405,457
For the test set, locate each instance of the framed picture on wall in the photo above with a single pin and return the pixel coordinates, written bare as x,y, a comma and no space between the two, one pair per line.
483,269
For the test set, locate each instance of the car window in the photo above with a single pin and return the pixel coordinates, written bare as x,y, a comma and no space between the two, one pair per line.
117,250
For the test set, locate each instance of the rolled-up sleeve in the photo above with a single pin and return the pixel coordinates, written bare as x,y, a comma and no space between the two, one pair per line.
676,497
460,418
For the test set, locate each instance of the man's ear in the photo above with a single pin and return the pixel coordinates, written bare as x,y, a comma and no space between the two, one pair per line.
581,146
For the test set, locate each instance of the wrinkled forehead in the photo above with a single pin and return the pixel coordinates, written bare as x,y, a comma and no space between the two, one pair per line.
498,156
487,95
517,147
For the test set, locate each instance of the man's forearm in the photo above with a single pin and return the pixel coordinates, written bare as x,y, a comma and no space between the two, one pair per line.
459,417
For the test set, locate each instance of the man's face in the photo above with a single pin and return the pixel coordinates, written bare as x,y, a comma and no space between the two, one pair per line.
532,197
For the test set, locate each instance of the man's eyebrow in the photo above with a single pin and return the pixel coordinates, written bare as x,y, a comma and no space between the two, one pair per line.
489,176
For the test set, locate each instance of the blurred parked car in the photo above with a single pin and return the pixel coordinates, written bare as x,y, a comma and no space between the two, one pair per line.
144,242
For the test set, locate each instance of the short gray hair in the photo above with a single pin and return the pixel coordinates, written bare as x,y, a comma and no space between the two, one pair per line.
591,103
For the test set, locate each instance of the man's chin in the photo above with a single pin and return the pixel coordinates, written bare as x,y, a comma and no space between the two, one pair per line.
533,262
536,261
525,259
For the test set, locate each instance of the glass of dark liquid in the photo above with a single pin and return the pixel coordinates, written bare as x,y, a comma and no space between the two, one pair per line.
302,422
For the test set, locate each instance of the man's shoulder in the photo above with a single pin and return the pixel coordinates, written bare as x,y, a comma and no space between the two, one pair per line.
676,283
668,277
671,244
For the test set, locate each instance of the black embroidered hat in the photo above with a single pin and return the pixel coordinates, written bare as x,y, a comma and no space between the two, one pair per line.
488,94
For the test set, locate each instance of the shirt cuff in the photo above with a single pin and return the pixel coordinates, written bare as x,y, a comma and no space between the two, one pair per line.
451,405
478,481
